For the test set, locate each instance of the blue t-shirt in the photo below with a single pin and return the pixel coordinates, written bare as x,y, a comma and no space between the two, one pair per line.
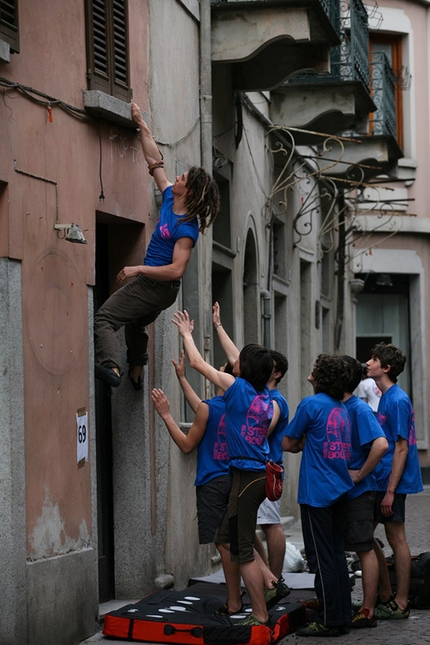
248,417
212,453
323,476
396,416
364,430
169,229
276,453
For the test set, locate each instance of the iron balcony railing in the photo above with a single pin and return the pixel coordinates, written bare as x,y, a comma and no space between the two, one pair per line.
349,61
331,7
383,81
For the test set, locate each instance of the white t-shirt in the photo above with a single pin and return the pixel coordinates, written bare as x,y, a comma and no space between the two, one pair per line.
369,392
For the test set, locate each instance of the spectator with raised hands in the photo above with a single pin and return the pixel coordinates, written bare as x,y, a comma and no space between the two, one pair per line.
269,513
250,415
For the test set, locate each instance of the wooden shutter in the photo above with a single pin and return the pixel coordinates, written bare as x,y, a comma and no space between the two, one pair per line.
120,63
107,44
9,23
100,42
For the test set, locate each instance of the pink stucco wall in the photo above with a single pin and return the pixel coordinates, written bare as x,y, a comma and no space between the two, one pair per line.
55,274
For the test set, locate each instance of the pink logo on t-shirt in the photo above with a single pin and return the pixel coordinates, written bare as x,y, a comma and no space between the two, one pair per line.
382,419
220,451
257,421
164,232
338,435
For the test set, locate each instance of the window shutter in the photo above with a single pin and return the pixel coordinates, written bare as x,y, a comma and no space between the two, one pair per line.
100,39
9,23
120,42
108,47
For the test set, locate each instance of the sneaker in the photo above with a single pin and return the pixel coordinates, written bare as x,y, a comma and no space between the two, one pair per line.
361,619
280,590
137,384
107,374
225,611
252,621
384,602
318,630
391,611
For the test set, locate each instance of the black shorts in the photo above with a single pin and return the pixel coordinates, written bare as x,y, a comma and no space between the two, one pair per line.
212,502
359,527
399,504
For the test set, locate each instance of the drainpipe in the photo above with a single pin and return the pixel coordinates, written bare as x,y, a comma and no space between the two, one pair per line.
205,242
267,315
341,274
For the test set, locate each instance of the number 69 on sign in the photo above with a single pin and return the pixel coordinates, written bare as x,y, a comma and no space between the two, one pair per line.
82,436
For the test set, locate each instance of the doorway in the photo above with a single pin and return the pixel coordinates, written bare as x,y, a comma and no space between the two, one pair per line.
383,315
104,438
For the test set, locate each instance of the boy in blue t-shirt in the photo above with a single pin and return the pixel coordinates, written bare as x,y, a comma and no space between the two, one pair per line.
321,428
397,474
368,444
207,435
269,513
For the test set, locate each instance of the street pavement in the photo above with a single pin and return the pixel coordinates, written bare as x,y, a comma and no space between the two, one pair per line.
413,631
416,629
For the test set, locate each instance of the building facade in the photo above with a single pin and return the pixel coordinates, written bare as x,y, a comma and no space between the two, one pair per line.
321,245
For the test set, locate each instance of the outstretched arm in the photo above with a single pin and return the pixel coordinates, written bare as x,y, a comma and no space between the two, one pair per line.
227,344
192,397
186,326
150,149
186,442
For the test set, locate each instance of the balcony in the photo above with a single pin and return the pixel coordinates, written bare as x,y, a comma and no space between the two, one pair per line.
340,99
263,42
316,106
376,153
383,121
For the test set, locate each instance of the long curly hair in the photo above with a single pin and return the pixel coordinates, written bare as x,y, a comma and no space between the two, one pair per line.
202,200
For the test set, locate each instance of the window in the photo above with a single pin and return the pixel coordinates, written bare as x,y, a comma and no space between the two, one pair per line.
391,46
9,24
221,226
107,47
279,249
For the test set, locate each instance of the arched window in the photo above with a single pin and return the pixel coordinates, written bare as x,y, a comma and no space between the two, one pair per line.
251,301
